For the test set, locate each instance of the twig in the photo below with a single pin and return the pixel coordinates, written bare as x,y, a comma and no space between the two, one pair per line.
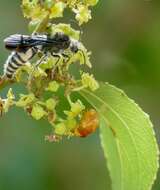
5,82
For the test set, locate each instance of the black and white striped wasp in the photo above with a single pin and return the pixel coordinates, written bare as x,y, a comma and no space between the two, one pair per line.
25,47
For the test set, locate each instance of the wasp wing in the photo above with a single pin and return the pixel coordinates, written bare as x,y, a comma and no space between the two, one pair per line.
20,42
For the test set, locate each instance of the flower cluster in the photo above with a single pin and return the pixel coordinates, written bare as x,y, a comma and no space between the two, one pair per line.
52,80
37,10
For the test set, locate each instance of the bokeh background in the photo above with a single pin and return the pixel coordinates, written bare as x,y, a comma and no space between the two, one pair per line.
124,37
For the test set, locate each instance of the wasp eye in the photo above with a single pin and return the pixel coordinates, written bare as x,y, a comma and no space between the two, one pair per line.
65,38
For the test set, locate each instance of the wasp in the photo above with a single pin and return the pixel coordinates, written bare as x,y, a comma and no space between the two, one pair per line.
25,47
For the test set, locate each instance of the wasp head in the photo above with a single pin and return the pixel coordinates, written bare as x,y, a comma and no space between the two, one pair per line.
74,46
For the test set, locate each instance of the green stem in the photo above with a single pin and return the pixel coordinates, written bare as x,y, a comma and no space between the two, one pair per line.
78,88
69,99
42,25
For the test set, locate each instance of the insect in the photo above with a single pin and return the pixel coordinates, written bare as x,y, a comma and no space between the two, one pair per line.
88,123
25,47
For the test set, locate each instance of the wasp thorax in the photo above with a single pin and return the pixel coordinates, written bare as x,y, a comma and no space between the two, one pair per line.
62,40
59,36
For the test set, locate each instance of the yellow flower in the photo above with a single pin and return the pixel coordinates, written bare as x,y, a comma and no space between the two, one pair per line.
83,14
89,81
38,112
60,129
57,10
53,86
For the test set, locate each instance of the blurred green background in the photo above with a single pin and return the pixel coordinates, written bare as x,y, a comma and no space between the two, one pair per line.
124,37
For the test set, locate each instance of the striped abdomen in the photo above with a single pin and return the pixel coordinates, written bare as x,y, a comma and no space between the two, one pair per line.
16,60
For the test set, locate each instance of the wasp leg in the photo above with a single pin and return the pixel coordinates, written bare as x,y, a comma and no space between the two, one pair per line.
58,65
66,62
57,56
36,66
41,60
67,57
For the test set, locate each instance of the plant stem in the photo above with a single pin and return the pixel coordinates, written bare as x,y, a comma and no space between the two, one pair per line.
4,83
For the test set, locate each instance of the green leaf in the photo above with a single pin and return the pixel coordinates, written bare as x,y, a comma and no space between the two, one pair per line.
127,138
